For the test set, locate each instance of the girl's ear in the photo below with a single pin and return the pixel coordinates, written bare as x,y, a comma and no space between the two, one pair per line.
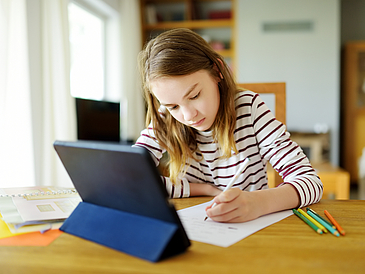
220,61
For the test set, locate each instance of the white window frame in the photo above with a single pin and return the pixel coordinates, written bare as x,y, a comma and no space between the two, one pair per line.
112,44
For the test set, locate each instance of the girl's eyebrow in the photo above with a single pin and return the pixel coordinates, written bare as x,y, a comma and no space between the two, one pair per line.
187,94
191,89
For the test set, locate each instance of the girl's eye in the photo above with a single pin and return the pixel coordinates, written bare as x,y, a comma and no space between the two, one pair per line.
173,108
196,96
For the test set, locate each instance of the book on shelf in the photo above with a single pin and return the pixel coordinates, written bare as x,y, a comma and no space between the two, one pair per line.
151,14
37,205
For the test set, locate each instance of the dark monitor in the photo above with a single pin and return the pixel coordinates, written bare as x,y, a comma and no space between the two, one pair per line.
98,120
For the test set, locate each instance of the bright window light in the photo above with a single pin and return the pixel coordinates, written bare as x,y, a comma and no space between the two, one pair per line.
87,53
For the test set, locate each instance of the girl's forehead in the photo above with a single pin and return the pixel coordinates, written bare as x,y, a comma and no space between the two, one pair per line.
163,85
174,89
179,82
193,75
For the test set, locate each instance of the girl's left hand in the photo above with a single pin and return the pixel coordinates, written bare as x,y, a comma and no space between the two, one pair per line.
235,206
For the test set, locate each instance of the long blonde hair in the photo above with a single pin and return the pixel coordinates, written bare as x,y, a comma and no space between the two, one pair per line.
183,52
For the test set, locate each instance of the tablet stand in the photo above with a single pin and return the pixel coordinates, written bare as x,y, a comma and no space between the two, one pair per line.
140,236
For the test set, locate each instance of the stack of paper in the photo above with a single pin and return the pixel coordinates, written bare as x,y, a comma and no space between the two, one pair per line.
30,209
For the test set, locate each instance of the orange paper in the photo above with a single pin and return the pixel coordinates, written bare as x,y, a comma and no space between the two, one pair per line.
32,239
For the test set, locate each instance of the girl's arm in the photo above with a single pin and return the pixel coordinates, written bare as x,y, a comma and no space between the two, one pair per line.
286,157
197,189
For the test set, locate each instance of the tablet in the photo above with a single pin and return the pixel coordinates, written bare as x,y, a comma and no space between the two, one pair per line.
120,177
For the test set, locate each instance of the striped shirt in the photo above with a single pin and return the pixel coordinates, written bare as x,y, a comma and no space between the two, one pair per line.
259,136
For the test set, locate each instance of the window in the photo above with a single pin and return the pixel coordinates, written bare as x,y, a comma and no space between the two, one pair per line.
87,49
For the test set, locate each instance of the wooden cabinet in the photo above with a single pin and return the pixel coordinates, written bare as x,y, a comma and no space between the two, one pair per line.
214,20
353,107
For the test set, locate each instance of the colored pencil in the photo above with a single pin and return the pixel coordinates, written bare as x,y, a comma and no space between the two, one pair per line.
324,220
333,221
330,229
313,220
315,228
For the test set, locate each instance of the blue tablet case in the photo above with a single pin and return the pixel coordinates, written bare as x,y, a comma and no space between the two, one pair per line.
125,205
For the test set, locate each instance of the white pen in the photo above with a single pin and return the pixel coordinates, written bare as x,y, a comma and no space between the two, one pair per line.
234,179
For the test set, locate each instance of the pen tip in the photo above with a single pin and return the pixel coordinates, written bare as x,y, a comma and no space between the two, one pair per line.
205,218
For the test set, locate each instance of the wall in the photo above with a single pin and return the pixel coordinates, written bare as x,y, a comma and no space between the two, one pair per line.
307,60
35,71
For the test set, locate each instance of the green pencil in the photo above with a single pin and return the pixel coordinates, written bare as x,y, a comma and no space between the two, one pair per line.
333,231
315,228
324,220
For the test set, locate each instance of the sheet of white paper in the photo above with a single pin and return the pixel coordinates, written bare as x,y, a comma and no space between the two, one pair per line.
222,234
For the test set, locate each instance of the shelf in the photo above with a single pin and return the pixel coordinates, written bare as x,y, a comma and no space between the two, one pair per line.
191,24
158,16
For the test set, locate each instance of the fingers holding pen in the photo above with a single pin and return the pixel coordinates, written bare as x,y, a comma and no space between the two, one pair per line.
234,205
225,209
227,200
228,196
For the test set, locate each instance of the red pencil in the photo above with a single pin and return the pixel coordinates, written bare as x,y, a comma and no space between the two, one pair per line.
334,222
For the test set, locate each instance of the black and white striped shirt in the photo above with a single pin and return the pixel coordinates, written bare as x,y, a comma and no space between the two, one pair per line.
259,136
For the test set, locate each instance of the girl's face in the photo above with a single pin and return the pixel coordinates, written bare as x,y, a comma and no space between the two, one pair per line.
192,99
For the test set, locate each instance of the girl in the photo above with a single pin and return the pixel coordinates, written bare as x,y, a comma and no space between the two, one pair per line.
208,127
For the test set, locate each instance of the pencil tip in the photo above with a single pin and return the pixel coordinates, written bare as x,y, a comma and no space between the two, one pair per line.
205,218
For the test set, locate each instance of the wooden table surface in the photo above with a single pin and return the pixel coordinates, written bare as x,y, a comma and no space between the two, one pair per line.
289,246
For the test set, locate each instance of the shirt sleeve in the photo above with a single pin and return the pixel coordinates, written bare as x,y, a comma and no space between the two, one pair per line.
148,141
286,156
179,190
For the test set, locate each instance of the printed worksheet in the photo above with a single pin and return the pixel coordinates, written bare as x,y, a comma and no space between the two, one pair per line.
19,205
222,234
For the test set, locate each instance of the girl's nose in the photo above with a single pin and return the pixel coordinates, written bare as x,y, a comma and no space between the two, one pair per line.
189,114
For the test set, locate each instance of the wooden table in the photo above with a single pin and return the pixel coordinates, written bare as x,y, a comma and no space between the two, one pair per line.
289,246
